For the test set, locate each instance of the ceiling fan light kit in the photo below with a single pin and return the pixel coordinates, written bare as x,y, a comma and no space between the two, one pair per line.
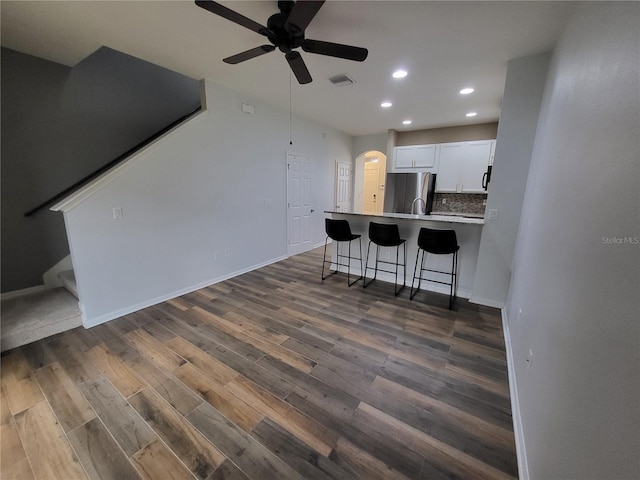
285,31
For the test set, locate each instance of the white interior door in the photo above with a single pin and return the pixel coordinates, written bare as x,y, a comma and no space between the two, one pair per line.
370,201
298,203
344,173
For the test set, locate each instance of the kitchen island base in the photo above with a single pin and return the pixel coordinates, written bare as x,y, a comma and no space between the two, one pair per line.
468,233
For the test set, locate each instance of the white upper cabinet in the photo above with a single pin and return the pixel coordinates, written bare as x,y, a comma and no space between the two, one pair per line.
461,166
414,158
449,164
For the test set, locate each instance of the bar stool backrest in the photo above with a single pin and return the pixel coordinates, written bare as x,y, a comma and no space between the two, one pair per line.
338,230
440,242
384,235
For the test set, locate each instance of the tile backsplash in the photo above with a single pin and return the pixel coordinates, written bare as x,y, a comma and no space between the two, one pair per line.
459,202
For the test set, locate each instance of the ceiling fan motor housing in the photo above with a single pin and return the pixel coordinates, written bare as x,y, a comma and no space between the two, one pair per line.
284,36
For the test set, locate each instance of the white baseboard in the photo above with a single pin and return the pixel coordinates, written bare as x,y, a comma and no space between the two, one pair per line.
23,292
521,451
92,322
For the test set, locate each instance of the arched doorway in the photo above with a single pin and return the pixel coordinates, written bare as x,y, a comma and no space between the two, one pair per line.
369,181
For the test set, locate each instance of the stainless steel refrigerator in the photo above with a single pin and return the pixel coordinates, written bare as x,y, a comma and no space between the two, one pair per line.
409,193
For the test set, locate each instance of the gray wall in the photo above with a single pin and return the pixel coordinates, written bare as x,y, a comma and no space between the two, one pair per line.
462,133
576,286
61,124
217,183
523,92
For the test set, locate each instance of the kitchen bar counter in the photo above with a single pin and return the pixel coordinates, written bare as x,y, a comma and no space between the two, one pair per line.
472,219
468,232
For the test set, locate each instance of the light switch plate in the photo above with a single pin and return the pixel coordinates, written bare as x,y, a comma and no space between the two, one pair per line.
493,214
117,213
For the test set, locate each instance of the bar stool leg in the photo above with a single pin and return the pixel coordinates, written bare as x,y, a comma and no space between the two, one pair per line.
415,269
366,265
404,282
324,257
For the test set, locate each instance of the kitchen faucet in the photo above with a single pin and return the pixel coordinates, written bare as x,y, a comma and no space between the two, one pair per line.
414,203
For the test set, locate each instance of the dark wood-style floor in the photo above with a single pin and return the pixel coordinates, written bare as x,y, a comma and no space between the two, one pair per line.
270,375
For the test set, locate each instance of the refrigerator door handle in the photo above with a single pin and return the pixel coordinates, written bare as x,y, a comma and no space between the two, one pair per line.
484,180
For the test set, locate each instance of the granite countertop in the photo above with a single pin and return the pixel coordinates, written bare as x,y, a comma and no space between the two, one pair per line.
437,217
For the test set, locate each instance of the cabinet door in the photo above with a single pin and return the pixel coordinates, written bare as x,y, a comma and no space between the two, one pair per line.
449,162
425,156
476,157
404,156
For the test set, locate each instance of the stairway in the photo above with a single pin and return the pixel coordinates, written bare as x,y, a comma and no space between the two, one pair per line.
38,315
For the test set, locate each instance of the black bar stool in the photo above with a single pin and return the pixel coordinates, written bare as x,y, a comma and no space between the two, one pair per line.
384,235
437,242
339,231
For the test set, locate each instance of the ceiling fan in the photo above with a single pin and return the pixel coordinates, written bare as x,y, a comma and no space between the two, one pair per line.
285,30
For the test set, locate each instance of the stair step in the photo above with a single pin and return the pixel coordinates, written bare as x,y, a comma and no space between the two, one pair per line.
38,315
68,279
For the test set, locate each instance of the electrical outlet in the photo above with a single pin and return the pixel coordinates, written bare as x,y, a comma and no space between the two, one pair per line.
444,201
227,252
117,213
493,214
216,255
484,202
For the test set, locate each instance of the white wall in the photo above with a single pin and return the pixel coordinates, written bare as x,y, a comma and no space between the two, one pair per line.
365,143
201,190
580,399
521,101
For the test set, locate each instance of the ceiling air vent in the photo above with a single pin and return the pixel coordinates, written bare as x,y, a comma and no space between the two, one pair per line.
341,80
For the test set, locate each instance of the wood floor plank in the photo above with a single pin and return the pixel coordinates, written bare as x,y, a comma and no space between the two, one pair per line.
13,459
18,384
121,376
305,461
301,426
228,471
156,351
166,384
362,464
157,461
270,374
235,409
99,453
454,460
210,366
126,426
46,446
195,451
67,402
255,460
275,350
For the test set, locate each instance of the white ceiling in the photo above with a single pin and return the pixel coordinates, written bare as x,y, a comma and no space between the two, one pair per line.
444,46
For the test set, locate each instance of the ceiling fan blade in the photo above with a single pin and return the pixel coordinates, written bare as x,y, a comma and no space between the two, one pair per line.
229,14
249,54
347,52
299,68
301,15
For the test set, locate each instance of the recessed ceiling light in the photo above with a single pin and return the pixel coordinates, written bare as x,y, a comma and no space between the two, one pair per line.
407,122
471,114
399,74
386,104
466,91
